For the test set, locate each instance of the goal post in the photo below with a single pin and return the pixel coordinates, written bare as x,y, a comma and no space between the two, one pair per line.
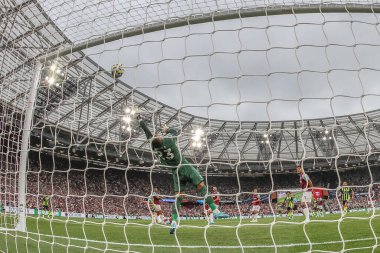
24,151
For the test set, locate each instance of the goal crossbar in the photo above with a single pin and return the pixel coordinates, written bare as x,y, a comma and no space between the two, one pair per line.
211,17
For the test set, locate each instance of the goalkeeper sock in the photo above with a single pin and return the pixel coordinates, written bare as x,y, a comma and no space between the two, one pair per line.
211,217
209,201
176,207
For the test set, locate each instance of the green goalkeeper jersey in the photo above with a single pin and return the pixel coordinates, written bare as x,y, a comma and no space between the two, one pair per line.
168,153
1,207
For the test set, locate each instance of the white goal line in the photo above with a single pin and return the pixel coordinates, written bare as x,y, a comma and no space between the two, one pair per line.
8,229
200,246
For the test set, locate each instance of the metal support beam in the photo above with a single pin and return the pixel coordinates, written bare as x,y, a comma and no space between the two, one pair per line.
249,139
228,142
339,128
22,36
184,126
107,130
280,140
375,125
88,106
172,117
107,110
88,100
361,132
16,9
312,139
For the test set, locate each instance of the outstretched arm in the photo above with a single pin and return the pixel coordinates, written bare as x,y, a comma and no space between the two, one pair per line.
146,129
171,131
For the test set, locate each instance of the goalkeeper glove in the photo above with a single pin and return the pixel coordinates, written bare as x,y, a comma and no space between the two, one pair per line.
165,129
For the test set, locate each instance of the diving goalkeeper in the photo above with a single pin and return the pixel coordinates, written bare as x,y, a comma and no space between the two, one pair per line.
165,146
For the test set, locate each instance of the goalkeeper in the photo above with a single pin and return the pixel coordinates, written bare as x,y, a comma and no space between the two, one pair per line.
183,172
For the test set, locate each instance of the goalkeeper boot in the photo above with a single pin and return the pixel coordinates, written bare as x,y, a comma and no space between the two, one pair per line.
220,215
173,227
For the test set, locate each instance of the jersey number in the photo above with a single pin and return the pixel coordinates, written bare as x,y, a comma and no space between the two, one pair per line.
166,154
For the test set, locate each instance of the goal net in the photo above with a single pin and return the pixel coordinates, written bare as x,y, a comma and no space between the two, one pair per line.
268,115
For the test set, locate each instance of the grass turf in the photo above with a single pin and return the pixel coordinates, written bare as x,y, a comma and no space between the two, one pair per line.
94,235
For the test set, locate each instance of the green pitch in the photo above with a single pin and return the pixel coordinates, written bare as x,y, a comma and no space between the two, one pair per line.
93,235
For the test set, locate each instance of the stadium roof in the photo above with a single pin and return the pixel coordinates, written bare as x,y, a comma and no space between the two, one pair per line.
90,105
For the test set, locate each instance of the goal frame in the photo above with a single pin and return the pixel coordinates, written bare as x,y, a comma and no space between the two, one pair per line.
149,28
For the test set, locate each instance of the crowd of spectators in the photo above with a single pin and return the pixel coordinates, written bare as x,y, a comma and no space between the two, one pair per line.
82,188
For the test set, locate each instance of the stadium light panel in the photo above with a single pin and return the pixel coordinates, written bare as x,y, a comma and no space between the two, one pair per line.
127,119
51,81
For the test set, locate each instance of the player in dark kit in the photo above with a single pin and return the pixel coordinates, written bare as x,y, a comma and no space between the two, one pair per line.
289,203
165,146
45,205
346,193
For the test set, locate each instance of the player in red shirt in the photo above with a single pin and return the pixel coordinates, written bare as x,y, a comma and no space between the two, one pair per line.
256,205
209,213
155,207
307,193
371,199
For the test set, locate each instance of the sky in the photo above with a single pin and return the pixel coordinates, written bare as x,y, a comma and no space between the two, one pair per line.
253,69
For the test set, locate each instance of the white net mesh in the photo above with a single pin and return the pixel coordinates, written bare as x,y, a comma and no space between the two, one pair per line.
252,88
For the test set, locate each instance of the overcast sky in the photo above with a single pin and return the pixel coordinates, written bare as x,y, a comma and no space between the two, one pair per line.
278,68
